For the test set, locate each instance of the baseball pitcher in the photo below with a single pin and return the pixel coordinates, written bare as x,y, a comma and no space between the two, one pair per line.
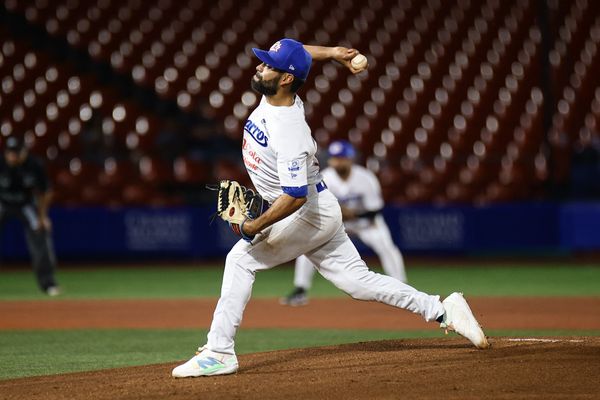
302,217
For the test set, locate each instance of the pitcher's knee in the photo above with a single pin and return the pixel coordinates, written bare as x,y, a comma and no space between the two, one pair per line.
233,260
237,260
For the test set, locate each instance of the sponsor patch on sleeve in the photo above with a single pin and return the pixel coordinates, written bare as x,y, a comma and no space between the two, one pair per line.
294,166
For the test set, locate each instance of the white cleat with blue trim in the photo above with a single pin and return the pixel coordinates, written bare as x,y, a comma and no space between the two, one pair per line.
207,363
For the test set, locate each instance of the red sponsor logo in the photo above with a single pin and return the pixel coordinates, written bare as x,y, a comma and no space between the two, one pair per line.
251,159
250,164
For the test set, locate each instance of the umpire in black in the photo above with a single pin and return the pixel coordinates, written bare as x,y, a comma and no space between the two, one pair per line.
25,194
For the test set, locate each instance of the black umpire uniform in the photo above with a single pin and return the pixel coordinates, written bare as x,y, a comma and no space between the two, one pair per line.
25,194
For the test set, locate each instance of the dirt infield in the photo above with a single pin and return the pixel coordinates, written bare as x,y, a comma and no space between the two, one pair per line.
565,368
345,313
407,369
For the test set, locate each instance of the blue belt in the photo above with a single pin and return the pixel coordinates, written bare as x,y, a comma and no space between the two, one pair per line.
321,186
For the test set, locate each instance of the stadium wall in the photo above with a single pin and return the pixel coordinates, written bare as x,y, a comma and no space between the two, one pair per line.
90,234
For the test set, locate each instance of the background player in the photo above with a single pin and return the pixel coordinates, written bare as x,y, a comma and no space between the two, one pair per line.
359,193
303,218
25,194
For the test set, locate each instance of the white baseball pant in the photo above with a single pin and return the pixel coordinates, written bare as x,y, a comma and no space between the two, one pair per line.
377,236
315,230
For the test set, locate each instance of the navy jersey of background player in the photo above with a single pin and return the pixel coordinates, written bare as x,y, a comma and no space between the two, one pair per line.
18,184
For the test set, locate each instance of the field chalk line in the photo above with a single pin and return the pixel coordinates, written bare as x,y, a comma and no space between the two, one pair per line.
540,340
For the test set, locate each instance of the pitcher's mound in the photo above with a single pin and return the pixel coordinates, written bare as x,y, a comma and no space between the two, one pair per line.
514,368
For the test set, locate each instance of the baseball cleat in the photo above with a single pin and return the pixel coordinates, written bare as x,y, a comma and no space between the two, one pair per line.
207,363
460,319
53,291
295,299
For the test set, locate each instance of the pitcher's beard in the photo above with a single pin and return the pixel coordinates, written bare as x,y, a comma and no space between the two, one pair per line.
268,88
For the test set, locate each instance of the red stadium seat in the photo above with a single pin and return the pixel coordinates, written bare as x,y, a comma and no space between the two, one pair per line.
440,74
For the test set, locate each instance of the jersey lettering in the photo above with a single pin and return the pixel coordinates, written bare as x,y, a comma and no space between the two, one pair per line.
256,133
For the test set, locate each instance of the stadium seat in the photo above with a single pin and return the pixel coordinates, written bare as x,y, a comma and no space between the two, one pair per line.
444,77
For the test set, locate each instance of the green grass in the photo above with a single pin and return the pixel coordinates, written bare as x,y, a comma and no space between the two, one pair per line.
188,282
31,353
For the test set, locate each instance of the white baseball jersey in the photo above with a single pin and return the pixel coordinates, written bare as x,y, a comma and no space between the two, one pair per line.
360,192
279,151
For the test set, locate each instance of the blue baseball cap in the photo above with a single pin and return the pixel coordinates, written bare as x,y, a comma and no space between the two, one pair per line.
287,55
342,149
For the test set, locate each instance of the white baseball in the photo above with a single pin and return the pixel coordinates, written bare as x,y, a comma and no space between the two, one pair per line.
359,62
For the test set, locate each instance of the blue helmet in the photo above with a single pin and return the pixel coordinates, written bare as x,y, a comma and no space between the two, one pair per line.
342,149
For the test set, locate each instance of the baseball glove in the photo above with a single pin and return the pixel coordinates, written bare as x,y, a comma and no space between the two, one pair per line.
236,204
